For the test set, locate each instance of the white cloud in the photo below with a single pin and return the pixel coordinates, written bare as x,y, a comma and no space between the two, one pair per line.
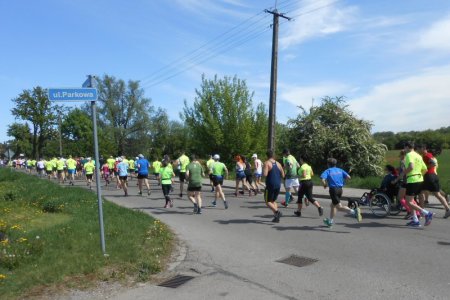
304,95
437,36
317,20
206,8
415,102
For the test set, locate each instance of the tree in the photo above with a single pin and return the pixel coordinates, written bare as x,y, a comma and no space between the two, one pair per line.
124,113
33,106
331,130
22,138
222,119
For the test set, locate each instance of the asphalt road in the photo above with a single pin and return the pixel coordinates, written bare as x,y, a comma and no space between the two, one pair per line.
233,254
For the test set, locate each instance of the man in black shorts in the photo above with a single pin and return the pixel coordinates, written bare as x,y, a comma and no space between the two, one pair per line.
274,173
194,175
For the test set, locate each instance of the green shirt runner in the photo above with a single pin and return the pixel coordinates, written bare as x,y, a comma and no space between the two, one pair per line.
166,175
195,170
415,175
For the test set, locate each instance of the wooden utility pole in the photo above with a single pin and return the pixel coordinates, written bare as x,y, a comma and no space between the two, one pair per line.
273,78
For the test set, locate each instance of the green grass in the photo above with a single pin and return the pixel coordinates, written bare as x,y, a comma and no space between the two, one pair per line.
62,248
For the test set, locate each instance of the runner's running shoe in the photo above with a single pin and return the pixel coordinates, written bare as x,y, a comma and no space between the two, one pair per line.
327,222
413,224
428,218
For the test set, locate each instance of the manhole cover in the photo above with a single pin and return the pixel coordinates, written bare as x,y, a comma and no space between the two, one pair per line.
176,281
298,261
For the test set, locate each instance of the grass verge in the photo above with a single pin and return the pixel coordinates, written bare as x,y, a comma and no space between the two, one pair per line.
50,236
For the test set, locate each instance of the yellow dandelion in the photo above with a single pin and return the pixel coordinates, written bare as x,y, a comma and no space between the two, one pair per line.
2,277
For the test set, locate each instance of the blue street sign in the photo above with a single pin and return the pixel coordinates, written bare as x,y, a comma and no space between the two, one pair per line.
75,94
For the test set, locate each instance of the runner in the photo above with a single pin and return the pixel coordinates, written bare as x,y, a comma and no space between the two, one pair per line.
143,165
415,168
54,169
131,167
209,166
183,162
116,174
166,180
194,175
334,178
306,188
122,168
274,173
257,167
219,171
240,175
156,165
290,166
60,169
431,179
110,161
105,173
89,169
40,166
49,168
71,168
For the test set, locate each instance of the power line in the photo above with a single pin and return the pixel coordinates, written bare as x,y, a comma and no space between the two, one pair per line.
241,41
224,42
220,39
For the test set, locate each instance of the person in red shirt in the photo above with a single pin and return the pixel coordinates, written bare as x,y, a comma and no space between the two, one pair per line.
431,179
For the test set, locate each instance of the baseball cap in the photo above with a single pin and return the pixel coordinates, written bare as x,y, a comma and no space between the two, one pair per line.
254,155
216,156
141,156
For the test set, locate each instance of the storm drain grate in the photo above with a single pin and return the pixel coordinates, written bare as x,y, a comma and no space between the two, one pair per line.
298,261
176,281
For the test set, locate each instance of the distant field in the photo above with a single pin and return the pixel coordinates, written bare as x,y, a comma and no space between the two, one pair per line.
443,170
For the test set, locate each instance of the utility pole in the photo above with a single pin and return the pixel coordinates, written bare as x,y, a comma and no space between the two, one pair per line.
273,77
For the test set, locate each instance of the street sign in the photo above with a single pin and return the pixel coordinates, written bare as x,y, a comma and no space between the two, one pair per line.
9,153
72,94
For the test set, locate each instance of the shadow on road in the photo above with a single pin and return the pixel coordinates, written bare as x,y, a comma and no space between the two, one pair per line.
308,228
243,221
443,243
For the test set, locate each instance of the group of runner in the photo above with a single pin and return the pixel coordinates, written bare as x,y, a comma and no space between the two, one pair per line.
416,177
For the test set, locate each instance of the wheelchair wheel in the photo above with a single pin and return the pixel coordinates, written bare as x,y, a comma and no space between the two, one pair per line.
396,207
380,204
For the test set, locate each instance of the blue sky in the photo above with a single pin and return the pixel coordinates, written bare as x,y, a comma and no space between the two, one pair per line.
390,59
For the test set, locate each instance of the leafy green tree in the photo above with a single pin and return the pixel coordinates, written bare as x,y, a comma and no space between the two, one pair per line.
22,138
331,130
124,113
34,107
222,119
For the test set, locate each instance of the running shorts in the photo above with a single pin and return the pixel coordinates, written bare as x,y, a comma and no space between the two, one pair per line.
217,180
413,189
271,194
293,182
89,176
124,178
431,183
166,189
194,188
71,171
240,175
142,176
306,189
182,176
335,195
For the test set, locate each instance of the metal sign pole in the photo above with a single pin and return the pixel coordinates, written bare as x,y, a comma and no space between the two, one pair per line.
97,175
